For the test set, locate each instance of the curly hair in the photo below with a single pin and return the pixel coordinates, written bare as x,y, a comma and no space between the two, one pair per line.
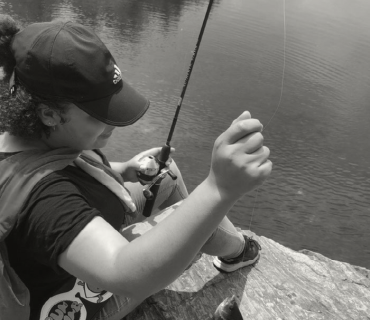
18,112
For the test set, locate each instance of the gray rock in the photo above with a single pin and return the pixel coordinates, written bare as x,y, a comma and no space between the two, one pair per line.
283,284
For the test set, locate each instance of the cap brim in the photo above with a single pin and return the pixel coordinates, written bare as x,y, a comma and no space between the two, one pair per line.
123,108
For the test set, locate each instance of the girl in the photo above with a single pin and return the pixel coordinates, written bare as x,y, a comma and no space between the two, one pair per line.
69,218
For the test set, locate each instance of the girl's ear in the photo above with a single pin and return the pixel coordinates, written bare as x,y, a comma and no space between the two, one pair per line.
48,116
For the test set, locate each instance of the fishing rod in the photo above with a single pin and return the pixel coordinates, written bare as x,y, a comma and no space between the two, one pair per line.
158,165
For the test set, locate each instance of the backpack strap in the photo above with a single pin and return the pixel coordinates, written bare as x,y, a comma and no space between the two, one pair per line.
20,173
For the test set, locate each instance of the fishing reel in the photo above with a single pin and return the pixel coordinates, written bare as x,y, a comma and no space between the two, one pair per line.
151,174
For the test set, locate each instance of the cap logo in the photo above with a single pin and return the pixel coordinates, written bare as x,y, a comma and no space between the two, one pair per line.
117,75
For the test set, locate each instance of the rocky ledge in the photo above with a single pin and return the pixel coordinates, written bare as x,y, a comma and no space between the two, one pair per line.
283,284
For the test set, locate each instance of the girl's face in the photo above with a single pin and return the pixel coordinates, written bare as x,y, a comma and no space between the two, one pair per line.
80,131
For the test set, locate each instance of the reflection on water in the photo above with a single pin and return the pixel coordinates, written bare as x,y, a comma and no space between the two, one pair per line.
318,195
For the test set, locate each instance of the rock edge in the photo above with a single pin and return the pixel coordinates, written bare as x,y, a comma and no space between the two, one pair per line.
283,284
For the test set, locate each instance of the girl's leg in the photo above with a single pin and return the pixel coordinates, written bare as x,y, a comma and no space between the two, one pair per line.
226,241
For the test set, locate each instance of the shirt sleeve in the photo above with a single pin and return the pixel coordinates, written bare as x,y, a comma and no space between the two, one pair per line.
53,215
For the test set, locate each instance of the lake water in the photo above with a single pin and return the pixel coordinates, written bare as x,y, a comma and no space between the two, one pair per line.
301,67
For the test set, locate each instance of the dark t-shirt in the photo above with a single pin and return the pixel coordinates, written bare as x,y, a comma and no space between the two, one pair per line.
58,208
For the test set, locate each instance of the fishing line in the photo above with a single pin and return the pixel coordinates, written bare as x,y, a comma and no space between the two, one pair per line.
279,103
254,205
283,74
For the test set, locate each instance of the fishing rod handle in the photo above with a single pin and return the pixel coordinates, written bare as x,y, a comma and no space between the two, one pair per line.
150,203
162,159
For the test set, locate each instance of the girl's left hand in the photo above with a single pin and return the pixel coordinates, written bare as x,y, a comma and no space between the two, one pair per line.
129,169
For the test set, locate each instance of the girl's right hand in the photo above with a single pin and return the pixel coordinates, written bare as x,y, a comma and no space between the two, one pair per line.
239,159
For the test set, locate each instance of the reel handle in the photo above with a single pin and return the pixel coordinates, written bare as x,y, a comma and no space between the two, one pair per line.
146,191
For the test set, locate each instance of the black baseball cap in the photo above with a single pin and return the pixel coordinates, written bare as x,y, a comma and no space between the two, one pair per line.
68,61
